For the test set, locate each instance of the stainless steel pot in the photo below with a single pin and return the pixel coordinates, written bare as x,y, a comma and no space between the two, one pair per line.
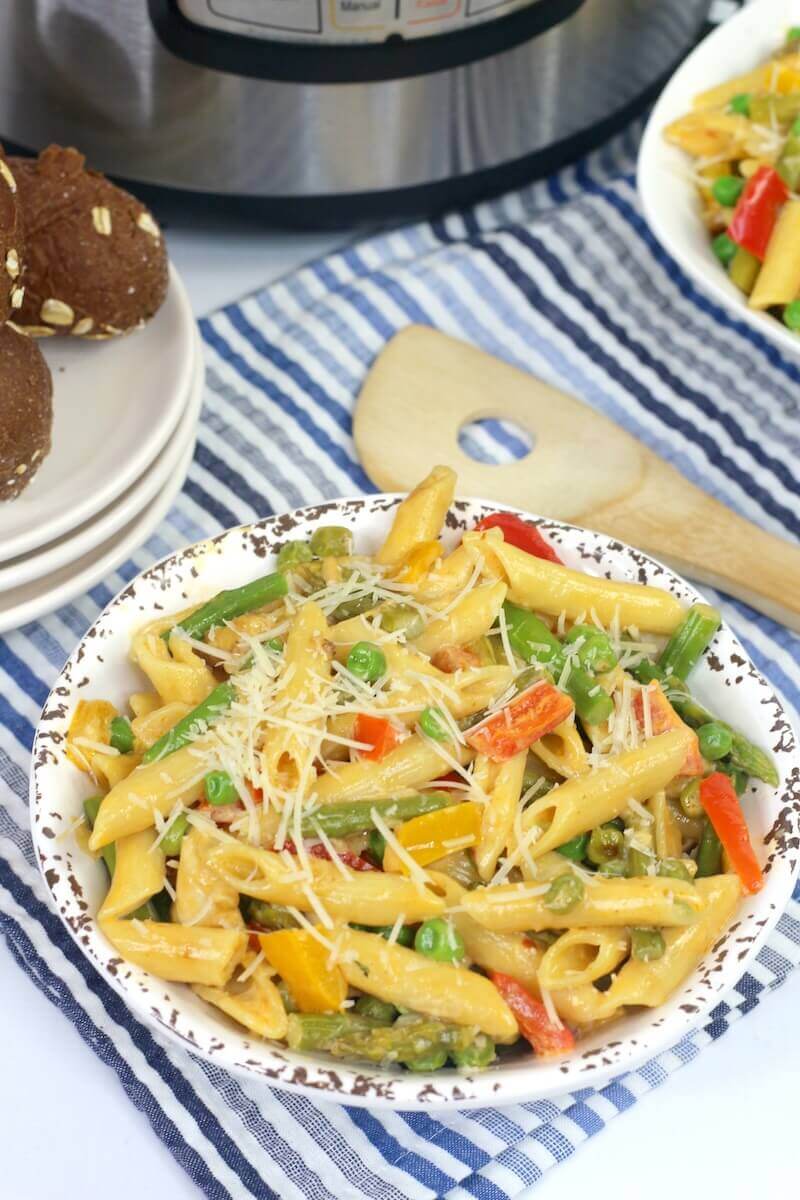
332,121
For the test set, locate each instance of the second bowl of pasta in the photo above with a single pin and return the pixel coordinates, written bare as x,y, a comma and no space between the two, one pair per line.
416,802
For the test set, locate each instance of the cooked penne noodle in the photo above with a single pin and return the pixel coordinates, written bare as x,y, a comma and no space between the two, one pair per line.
563,751
138,875
181,953
469,619
367,897
590,800
498,814
420,516
200,890
778,280
580,956
153,787
414,763
551,588
402,977
639,901
256,1004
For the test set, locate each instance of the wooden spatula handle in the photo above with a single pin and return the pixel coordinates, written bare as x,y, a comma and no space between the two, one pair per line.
702,538
425,386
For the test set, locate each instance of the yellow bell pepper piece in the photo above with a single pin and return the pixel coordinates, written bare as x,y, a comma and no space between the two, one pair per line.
302,962
419,562
91,722
436,834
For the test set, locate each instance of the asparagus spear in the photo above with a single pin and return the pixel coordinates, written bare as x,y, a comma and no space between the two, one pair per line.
349,817
408,1040
232,603
690,640
193,724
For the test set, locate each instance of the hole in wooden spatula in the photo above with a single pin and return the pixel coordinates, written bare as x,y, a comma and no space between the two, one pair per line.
495,441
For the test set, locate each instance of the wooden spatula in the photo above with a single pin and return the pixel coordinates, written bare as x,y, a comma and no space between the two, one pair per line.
424,386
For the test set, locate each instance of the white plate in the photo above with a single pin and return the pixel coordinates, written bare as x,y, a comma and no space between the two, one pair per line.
726,681
669,197
115,403
79,542
36,599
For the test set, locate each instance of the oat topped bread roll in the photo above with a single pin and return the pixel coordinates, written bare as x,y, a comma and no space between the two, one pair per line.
26,411
11,291
96,264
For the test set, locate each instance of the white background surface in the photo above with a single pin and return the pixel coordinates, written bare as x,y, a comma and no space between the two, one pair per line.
725,1124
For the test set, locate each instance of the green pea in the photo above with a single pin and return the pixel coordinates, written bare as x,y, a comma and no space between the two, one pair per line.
690,800
331,541
715,740
791,315
793,34
366,661
615,868
376,844
274,644
565,892
727,189
375,1010
575,848
605,844
431,722
439,940
220,788
402,618
292,553
596,652
725,248
477,1055
795,127
674,868
171,841
638,862
741,104
434,1060
121,735
647,944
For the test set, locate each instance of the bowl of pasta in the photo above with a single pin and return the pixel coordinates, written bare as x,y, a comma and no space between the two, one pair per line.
719,168
412,801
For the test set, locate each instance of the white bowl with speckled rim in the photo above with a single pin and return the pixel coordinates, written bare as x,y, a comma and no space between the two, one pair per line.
726,681
668,194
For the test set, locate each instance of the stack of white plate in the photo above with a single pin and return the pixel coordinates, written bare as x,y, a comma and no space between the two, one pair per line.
125,424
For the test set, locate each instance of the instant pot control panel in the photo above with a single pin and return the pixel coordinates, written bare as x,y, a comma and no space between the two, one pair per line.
348,21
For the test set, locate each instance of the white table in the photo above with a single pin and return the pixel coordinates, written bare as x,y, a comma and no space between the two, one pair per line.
726,1124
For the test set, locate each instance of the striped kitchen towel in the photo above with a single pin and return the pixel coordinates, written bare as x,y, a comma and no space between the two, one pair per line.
564,280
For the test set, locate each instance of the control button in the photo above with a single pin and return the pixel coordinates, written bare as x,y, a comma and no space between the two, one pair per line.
256,16
423,12
477,8
366,15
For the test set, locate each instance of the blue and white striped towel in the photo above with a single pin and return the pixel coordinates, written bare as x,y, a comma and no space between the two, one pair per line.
564,280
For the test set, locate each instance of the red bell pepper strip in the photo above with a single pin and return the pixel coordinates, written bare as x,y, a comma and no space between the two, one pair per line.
521,534
662,718
528,717
376,732
757,210
718,797
547,1038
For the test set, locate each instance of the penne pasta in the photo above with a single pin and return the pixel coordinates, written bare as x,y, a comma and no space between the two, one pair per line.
555,589
200,891
590,800
580,956
414,763
469,619
499,813
612,902
138,875
255,1004
419,517
402,977
182,953
778,280
155,787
